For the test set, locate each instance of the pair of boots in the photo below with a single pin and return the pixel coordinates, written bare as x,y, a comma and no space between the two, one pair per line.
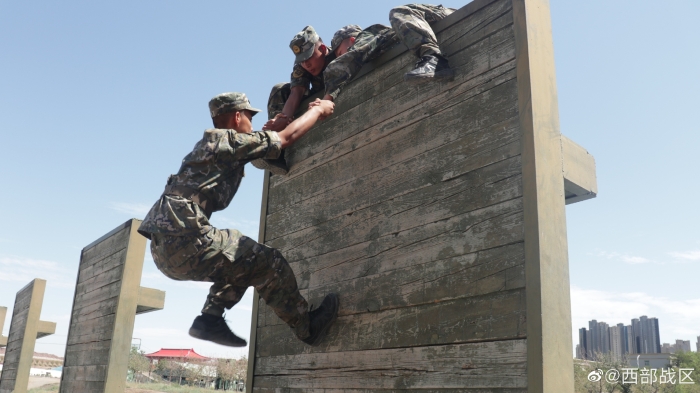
429,67
212,328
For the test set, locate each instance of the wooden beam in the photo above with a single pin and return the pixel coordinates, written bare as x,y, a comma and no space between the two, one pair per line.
45,328
549,356
256,297
108,295
150,300
25,328
3,314
579,172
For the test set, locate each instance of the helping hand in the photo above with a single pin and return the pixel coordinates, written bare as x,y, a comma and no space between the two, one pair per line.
326,107
278,123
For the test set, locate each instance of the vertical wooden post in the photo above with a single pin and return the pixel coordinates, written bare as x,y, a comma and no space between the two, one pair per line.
549,356
25,326
107,298
3,315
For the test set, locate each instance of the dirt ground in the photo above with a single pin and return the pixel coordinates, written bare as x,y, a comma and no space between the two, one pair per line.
35,382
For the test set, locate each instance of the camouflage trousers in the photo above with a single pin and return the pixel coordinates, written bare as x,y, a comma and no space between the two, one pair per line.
233,262
411,23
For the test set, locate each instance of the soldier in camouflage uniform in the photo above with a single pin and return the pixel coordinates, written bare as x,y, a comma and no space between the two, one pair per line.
185,246
410,25
311,58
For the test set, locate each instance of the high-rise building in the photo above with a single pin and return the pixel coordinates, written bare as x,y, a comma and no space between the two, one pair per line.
682,345
697,345
641,336
582,347
631,343
617,348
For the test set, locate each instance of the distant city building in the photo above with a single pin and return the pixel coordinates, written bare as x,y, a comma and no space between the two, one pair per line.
667,348
639,337
679,346
697,345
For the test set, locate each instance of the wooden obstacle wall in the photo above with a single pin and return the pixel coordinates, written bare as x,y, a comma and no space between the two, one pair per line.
25,328
108,295
436,212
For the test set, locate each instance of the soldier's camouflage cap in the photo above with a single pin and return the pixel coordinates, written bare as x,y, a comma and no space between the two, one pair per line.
303,44
343,33
230,102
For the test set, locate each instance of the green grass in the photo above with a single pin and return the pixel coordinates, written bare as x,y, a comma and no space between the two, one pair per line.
45,389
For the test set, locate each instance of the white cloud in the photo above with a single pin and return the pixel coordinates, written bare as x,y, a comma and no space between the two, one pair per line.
22,269
631,259
687,255
132,209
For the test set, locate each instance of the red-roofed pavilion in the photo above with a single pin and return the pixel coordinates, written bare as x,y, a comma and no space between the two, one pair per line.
176,354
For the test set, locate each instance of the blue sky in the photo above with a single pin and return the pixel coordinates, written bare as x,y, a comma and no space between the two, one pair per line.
99,103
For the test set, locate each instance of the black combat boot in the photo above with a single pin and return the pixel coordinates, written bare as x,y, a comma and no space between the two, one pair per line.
322,318
278,166
430,66
212,328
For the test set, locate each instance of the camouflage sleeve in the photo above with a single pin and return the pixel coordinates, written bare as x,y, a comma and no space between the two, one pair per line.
340,71
300,77
262,144
371,43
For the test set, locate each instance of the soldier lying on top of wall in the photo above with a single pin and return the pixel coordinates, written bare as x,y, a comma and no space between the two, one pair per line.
350,49
410,24
186,247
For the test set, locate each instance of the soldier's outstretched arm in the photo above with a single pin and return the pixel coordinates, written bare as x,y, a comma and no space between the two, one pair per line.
290,108
300,126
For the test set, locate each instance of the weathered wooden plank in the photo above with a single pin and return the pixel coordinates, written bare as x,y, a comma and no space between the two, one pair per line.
478,27
494,316
105,248
472,274
384,107
95,268
476,189
487,228
104,305
478,365
25,326
473,151
415,101
104,278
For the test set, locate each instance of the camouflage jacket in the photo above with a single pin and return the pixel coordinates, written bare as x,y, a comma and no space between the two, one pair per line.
215,169
371,43
301,77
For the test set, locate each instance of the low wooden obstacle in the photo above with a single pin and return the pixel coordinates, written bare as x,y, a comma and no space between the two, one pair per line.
25,328
108,296
437,213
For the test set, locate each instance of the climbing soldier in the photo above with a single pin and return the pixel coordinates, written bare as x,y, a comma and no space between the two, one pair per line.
186,247
410,24
311,56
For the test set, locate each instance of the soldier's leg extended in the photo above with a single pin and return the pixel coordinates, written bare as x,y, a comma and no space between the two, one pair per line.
411,23
244,262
